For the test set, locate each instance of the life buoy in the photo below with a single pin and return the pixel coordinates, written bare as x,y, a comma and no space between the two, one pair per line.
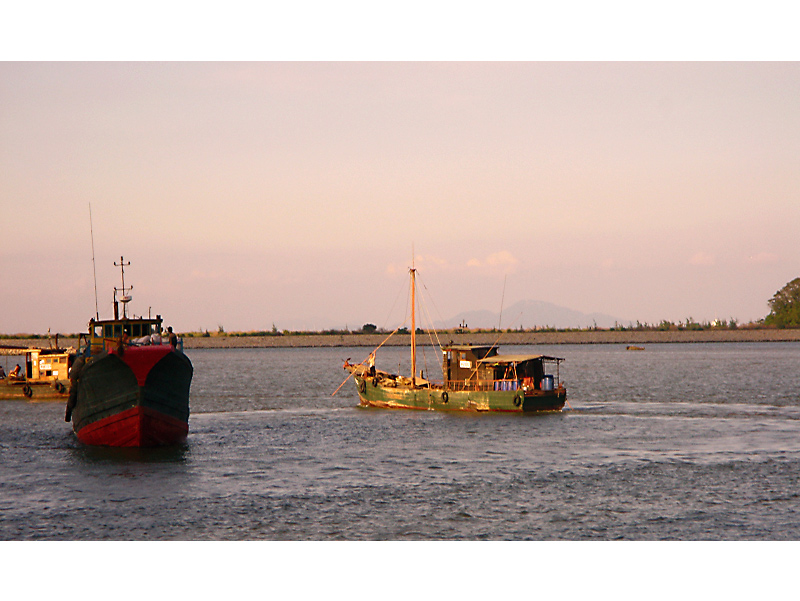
445,397
517,400
362,386
27,390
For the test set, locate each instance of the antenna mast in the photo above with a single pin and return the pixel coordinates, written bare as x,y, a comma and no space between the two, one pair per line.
413,325
94,266
125,298
502,300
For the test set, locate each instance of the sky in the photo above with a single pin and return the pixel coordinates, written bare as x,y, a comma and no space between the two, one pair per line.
261,194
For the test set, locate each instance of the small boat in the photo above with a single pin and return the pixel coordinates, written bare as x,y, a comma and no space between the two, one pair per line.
474,378
129,387
634,348
42,377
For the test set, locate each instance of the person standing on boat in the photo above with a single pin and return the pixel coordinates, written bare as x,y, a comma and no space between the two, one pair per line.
74,376
371,363
173,338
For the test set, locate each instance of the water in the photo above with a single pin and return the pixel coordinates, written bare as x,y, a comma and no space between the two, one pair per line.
679,442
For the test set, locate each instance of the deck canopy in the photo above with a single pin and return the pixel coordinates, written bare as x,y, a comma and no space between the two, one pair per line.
477,351
509,359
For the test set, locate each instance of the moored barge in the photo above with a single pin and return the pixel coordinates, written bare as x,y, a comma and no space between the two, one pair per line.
40,375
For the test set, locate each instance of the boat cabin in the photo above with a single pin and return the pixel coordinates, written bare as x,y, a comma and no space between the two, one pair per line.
48,365
460,362
43,366
467,367
108,333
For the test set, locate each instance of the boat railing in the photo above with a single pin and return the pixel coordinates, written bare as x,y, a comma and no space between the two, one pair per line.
493,385
480,385
99,344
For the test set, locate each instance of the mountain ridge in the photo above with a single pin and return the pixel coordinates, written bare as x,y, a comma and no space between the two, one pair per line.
529,314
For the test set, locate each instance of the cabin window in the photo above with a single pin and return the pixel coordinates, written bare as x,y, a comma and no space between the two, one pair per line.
117,330
136,330
108,331
98,331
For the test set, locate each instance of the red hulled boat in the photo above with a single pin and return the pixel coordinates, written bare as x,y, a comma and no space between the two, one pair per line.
129,387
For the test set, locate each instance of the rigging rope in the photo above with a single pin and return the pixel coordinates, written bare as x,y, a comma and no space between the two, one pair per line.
352,373
394,304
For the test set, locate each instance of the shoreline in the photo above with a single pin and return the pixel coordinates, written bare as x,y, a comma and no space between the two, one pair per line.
477,338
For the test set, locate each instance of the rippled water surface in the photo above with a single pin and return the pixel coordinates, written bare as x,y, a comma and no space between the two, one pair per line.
677,442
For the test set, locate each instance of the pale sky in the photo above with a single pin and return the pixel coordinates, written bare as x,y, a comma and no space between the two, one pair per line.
251,194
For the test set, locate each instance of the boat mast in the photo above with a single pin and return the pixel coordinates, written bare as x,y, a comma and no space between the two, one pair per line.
413,325
125,298
94,267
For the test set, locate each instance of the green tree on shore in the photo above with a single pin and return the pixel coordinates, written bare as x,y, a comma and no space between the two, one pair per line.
785,306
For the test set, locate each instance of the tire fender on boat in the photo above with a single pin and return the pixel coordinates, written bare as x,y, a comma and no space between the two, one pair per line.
517,400
60,388
27,390
445,397
362,386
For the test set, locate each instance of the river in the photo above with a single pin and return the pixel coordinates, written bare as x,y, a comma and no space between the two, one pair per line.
681,442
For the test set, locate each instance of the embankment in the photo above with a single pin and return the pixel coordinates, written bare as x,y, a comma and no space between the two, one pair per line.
505,339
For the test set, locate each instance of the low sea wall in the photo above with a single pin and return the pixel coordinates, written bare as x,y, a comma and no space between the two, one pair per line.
504,339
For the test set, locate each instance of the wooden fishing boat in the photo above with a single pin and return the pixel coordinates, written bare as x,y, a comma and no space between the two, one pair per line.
474,378
129,386
42,375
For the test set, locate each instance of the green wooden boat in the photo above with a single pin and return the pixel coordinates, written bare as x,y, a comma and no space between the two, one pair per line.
474,378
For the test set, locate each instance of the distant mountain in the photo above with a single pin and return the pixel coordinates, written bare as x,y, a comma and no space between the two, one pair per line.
530,314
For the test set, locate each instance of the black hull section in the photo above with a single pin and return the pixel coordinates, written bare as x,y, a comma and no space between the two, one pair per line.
113,409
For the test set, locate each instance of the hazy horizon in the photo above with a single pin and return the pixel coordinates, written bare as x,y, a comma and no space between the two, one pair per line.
251,194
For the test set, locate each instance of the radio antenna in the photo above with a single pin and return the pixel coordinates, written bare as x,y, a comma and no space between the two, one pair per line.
502,301
94,267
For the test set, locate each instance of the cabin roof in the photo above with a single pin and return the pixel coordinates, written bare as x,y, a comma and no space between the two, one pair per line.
506,359
126,320
466,347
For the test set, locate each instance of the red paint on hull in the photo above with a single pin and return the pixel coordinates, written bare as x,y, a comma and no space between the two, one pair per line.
136,427
141,359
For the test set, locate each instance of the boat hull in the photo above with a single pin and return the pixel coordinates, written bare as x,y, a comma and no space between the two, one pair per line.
33,391
439,399
139,398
